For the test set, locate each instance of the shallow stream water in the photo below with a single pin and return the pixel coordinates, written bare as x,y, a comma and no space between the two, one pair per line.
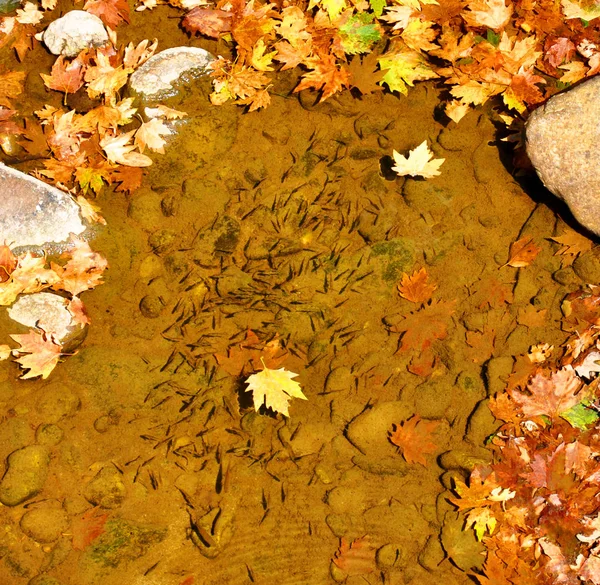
285,223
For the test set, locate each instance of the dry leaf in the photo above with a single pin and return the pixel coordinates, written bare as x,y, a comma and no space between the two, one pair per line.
119,150
418,163
413,437
416,288
43,353
90,211
522,252
5,352
66,76
274,389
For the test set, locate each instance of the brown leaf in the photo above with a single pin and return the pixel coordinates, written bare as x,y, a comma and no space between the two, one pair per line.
522,252
8,262
413,436
128,178
415,288
531,317
364,73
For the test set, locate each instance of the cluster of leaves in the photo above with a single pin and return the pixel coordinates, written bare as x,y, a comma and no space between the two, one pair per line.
537,507
91,150
524,51
82,270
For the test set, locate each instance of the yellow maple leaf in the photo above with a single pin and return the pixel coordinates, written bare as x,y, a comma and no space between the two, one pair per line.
575,71
418,163
456,110
260,60
43,353
418,35
475,92
274,389
575,10
151,134
492,14
5,352
481,519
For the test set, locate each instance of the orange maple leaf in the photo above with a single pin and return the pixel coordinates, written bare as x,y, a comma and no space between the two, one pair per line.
415,288
523,252
111,12
83,271
43,353
413,436
8,262
421,328
325,75
128,178
66,76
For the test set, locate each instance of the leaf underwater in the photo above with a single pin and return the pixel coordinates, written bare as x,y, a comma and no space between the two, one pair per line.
274,389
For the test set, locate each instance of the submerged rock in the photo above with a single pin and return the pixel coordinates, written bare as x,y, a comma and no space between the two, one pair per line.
75,31
34,213
562,143
25,476
163,74
49,312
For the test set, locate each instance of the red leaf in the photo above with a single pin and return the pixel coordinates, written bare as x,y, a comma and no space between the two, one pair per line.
87,527
413,437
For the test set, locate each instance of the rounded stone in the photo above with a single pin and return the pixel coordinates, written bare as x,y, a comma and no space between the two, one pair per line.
339,379
158,77
34,213
75,31
7,6
106,489
49,435
151,306
44,525
387,556
57,402
587,266
49,312
25,476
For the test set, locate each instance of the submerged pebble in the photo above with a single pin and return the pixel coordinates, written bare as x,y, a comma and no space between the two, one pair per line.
44,525
25,476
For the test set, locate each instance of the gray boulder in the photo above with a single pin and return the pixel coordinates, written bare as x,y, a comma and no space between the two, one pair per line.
49,312
75,31
164,74
562,142
34,213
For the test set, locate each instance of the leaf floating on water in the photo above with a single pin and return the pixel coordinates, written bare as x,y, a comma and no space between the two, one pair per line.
274,389
43,353
5,351
419,163
66,76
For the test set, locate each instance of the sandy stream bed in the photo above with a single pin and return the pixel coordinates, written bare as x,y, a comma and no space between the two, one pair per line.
280,222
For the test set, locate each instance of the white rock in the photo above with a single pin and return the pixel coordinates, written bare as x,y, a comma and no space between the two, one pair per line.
34,213
75,31
48,312
157,78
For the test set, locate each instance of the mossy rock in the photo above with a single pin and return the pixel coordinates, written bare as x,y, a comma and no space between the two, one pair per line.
124,541
395,257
